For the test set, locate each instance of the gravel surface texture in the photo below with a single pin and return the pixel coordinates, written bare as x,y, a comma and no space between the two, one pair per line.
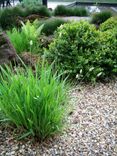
91,129
73,18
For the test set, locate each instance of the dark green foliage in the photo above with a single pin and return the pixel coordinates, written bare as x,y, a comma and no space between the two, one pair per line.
84,52
38,10
51,25
64,11
60,10
10,17
7,18
111,23
101,17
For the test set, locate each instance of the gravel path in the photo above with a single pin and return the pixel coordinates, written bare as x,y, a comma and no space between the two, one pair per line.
91,130
73,18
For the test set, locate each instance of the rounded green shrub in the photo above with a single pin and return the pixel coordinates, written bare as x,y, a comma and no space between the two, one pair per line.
101,17
111,23
34,102
73,48
108,52
83,52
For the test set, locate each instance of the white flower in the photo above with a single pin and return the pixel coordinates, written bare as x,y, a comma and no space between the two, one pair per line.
60,34
31,42
77,76
80,71
61,26
99,74
91,69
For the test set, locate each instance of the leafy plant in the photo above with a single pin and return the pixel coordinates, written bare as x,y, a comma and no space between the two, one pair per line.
101,17
37,103
27,38
111,23
61,10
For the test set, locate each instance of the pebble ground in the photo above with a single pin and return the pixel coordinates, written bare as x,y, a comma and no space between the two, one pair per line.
91,127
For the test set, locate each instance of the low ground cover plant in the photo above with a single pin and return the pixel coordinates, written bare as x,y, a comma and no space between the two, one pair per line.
26,39
33,102
101,17
84,52
61,10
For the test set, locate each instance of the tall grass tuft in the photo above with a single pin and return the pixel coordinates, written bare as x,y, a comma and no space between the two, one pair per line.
35,102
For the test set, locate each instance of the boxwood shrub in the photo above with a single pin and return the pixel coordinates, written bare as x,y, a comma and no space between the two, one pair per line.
84,52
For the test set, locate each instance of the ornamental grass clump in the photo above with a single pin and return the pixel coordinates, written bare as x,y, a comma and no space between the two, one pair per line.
33,102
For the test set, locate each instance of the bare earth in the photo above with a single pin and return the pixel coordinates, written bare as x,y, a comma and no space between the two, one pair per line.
91,128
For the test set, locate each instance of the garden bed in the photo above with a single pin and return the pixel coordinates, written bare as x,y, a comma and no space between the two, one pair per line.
41,112
90,130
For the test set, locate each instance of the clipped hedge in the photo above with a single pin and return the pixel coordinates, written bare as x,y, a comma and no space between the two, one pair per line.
83,52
